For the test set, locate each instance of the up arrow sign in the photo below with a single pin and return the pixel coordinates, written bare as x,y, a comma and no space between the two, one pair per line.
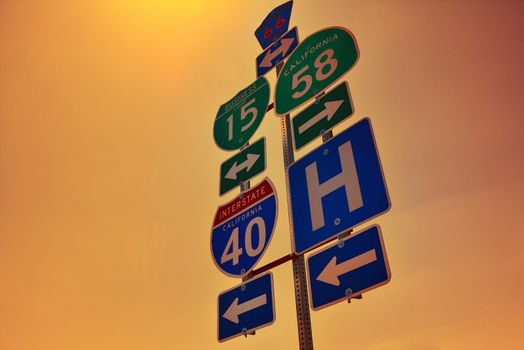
243,166
276,53
237,309
333,270
330,109
248,164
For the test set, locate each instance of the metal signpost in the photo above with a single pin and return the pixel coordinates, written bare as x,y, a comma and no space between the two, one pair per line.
329,110
243,228
246,307
276,53
243,166
335,187
354,265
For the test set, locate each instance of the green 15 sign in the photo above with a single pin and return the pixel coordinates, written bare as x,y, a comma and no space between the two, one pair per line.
319,61
238,119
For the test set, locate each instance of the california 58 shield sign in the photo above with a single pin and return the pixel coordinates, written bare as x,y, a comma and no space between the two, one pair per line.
243,228
319,61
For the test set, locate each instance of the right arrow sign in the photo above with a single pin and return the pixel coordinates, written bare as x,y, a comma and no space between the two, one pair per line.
356,264
321,116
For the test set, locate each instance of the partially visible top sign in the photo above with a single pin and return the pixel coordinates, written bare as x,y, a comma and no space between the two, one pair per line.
238,119
274,25
318,62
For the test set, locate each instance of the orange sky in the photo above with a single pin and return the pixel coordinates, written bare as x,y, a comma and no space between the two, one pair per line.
109,172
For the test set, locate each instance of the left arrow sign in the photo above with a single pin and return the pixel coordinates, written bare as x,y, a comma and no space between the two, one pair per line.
237,309
246,307
333,270
243,166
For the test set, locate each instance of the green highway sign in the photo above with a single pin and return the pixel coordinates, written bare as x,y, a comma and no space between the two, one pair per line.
238,119
243,166
321,116
319,61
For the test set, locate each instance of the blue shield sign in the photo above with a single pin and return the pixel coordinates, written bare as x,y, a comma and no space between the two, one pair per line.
336,187
243,228
356,264
274,25
277,52
246,307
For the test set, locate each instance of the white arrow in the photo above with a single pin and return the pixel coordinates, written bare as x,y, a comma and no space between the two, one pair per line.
236,309
330,108
267,61
332,271
248,163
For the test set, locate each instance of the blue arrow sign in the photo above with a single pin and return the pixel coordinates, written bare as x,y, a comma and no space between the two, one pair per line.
277,52
243,228
336,186
274,25
246,307
356,264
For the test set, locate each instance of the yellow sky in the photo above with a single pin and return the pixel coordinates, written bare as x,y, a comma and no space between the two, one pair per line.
109,172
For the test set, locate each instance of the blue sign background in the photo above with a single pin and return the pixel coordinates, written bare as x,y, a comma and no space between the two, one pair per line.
267,209
293,33
337,217
256,318
272,26
359,280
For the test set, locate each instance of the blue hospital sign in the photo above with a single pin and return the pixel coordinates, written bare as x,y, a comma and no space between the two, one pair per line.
336,187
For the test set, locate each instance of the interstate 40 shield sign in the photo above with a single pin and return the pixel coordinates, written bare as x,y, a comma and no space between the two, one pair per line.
242,229
318,62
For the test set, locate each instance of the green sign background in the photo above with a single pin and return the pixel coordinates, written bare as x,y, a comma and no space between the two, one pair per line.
339,96
319,61
239,118
243,166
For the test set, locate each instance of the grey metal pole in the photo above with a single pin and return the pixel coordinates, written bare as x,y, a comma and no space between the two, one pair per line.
305,333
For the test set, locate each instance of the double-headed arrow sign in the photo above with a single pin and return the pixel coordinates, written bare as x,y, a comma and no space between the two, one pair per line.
328,111
277,52
356,264
246,307
243,166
